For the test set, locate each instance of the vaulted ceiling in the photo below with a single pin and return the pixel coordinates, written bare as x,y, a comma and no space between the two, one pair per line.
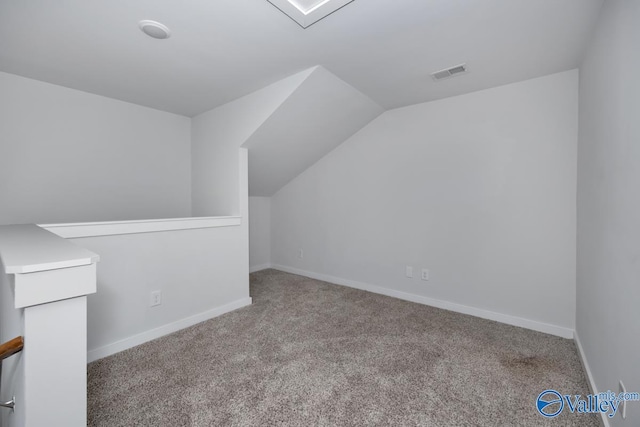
221,50
320,114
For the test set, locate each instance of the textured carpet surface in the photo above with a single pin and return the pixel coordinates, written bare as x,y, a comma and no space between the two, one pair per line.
309,353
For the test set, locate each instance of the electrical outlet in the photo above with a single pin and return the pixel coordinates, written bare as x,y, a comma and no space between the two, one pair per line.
623,404
300,253
408,271
156,298
425,274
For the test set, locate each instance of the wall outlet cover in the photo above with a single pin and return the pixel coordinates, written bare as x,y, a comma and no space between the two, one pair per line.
408,271
155,299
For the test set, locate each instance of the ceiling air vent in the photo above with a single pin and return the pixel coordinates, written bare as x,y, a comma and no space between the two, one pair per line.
449,72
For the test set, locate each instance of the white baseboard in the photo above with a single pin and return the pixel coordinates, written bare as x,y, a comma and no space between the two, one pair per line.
259,267
592,384
152,334
459,308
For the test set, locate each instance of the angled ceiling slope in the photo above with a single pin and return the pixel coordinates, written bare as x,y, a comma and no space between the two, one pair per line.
320,114
308,12
218,133
221,50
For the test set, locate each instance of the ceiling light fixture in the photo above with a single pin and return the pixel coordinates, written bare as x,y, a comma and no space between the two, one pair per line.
307,12
155,29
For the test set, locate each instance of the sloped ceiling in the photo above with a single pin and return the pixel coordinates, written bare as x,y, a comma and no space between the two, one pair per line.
379,52
319,115
222,50
218,133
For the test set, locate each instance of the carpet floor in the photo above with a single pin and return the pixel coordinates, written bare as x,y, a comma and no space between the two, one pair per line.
309,353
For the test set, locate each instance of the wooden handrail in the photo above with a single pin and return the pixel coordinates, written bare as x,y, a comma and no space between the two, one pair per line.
11,347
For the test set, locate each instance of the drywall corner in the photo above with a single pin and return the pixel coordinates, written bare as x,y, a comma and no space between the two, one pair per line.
215,138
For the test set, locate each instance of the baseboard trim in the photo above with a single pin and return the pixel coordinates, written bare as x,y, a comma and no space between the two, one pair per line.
447,305
259,267
592,384
135,340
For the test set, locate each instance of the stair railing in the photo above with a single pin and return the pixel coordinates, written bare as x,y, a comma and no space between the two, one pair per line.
8,349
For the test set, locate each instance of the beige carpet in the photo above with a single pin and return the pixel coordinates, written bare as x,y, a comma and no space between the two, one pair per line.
308,353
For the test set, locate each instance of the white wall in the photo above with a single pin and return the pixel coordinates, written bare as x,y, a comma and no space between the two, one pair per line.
608,281
480,189
216,137
197,271
202,273
259,233
70,156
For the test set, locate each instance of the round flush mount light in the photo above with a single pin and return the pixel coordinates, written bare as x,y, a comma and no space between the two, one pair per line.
154,29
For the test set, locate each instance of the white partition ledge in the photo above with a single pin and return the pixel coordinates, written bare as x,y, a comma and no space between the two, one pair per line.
50,280
27,248
94,229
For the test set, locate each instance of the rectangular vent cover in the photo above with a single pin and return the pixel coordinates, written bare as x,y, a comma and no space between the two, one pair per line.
449,72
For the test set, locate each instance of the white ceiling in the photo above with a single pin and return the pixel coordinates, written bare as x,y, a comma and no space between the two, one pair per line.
222,49
320,114
308,12
305,5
